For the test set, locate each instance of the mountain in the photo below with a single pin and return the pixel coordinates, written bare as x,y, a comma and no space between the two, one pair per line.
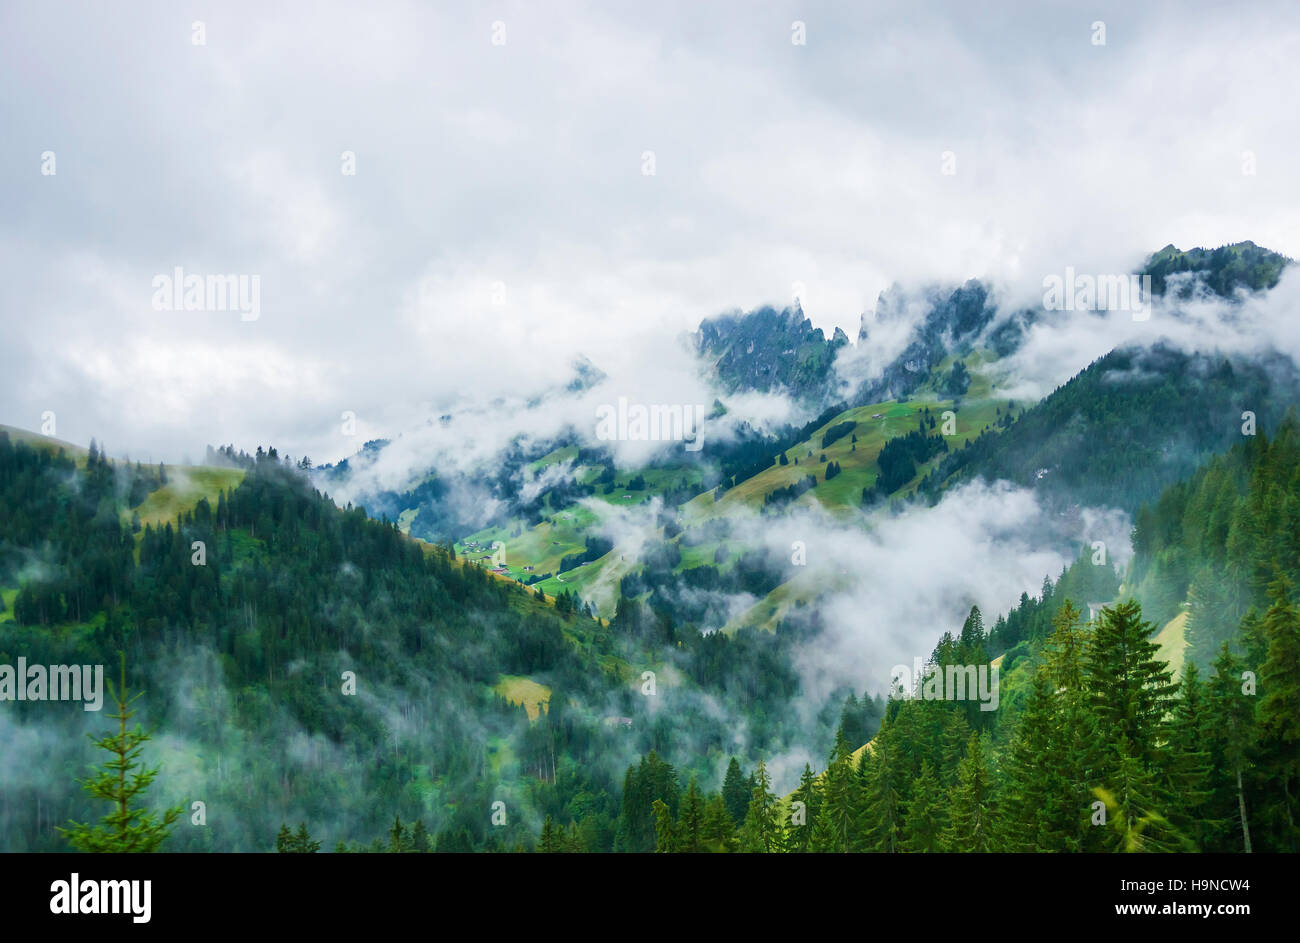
1242,266
596,650
770,351
1128,425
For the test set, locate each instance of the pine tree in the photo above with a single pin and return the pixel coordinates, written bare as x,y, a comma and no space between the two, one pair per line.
971,803
1189,768
1279,719
299,842
121,781
719,830
398,842
1233,742
665,831
883,799
761,831
547,844
736,792
1030,780
825,838
1129,686
1132,797
419,837
690,821
800,833
923,821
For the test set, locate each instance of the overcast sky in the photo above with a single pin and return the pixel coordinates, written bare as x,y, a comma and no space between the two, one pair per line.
522,162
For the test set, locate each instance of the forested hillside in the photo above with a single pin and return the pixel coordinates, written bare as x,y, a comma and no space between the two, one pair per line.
303,663
1096,745
1130,424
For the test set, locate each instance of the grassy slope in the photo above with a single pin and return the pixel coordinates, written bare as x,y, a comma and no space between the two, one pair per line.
36,440
1172,640
186,486
525,691
978,409
562,533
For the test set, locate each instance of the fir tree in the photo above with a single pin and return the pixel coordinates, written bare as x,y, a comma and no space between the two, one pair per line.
1132,814
419,837
923,821
1129,686
548,843
1279,718
1189,768
690,821
719,830
121,781
1232,744
736,792
883,799
800,833
970,803
665,831
761,831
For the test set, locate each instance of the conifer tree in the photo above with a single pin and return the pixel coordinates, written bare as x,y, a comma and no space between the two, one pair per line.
1279,719
1031,783
1232,744
825,838
971,803
761,831
690,821
398,840
122,780
1189,768
800,833
665,830
883,803
299,842
547,844
923,822
1129,686
419,837
1132,797
719,831
736,792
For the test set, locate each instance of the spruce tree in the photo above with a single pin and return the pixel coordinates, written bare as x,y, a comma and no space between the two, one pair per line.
1279,720
1232,746
1031,783
547,844
719,830
1129,686
690,821
121,781
800,833
761,831
971,803
1133,814
883,806
665,830
924,822
1190,768
419,837
736,792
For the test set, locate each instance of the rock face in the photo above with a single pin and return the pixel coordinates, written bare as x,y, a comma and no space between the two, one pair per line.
780,351
770,351
947,321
